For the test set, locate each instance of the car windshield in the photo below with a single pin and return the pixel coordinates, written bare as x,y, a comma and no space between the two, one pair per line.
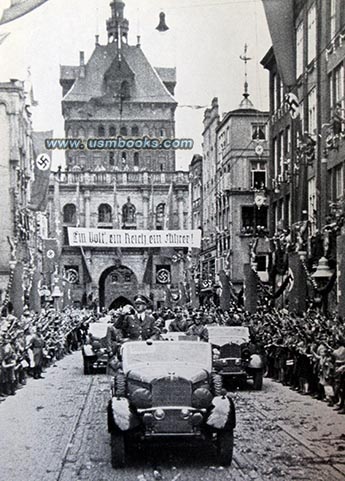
223,335
152,353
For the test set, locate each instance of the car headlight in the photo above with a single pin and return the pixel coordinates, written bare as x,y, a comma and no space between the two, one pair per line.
185,413
159,414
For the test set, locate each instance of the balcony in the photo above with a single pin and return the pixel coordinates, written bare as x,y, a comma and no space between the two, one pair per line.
104,178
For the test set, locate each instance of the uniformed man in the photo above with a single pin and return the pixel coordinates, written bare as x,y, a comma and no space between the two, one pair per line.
140,325
37,344
198,328
179,324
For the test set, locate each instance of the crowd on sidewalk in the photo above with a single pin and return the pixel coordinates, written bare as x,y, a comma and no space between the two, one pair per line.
35,341
306,353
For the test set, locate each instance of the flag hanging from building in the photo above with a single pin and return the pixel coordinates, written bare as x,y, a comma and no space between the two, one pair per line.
19,8
42,160
280,19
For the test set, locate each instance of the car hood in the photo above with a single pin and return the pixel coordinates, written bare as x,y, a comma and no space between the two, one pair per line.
149,374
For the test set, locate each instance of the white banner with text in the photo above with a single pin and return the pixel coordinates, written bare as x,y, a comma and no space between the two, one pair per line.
87,237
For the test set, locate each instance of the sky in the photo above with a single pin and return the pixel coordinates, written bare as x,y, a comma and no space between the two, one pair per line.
204,42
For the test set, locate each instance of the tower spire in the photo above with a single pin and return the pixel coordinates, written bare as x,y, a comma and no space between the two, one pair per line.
246,103
117,25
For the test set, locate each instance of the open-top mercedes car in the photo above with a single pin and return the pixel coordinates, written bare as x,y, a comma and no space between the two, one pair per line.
235,357
95,356
166,390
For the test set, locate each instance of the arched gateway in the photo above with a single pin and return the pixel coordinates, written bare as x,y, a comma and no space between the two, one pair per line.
117,287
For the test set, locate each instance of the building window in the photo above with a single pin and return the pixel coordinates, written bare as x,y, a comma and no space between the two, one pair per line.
125,91
101,131
247,220
275,156
259,132
311,33
70,214
104,214
288,140
312,203
312,113
333,18
331,95
281,153
274,92
112,131
111,159
339,182
339,85
299,50
258,175
136,159
123,131
160,215
135,130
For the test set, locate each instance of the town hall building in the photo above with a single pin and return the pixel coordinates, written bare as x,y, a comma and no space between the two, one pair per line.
118,93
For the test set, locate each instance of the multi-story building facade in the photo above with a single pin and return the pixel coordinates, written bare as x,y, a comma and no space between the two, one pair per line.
118,93
241,200
196,192
307,161
20,244
209,248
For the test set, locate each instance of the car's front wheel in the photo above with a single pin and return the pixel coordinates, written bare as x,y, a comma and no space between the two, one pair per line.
118,450
225,446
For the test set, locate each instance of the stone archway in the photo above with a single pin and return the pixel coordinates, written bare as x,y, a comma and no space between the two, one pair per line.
120,302
117,282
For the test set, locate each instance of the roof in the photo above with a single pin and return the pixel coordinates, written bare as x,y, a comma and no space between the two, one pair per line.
69,72
148,86
168,75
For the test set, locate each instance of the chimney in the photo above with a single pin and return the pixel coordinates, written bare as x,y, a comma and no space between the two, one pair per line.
138,40
82,65
97,39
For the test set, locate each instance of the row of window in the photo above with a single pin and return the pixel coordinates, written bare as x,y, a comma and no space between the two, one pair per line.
112,131
105,215
258,133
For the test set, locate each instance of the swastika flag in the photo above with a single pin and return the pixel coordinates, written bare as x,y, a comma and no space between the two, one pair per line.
42,166
19,8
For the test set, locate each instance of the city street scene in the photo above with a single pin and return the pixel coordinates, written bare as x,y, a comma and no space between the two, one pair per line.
172,240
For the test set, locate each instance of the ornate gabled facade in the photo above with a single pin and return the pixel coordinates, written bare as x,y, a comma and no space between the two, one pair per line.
117,93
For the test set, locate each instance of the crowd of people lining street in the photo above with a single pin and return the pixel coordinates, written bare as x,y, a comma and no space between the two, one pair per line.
35,341
306,353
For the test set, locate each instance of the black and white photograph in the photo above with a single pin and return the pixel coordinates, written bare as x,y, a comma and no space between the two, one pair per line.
172,240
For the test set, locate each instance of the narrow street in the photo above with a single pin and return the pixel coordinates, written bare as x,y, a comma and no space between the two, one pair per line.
55,430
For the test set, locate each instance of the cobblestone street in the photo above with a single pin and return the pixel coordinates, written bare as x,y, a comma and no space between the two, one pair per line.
55,430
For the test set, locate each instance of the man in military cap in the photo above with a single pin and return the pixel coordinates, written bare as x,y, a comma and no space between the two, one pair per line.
198,328
140,325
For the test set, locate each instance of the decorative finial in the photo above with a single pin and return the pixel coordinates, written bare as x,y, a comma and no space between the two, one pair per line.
245,59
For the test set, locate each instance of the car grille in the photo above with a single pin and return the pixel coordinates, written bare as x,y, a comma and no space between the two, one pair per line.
231,350
171,391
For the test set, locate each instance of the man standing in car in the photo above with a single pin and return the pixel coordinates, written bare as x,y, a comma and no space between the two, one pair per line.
140,325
